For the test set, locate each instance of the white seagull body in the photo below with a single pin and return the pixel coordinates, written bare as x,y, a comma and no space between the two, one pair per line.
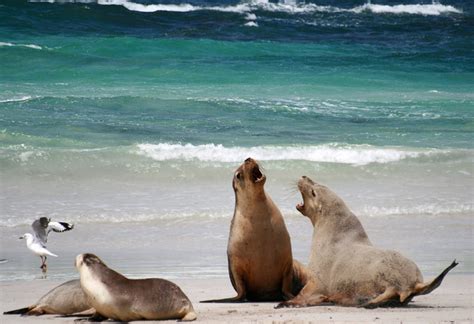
36,242
35,246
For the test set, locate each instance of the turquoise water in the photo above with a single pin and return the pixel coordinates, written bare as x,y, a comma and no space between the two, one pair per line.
120,112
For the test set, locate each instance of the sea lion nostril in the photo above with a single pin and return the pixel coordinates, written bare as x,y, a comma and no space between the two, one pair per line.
248,160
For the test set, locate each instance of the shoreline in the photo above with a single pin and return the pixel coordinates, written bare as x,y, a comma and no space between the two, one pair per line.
451,302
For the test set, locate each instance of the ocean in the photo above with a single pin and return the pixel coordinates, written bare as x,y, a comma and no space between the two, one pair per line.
128,118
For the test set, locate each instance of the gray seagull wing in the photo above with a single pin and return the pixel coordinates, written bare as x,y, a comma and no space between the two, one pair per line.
40,227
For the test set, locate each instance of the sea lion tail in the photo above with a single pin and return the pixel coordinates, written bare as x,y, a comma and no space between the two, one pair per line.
19,311
427,287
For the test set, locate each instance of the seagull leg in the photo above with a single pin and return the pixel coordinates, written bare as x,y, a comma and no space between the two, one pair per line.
44,267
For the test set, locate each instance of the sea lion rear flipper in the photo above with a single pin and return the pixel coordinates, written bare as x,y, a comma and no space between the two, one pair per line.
427,287
18,311
236,299
388,298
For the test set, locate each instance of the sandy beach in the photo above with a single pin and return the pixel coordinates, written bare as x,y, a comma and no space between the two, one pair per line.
129,119
450,303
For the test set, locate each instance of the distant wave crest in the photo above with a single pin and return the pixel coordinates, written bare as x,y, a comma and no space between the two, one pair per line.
330,153
33,46
424,209
283,6
16,99
434,9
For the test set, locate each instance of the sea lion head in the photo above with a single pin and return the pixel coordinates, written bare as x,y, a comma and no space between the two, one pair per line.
87,259
316,199
248,178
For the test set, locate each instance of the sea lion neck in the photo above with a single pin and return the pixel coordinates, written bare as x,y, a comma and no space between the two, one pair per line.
251,199
341,225
109,274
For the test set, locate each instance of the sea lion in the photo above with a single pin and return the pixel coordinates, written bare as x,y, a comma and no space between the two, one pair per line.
347,269
65,299
260,261
119,298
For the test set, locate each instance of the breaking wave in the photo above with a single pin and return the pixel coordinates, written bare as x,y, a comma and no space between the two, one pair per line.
330,153
289,7
33,46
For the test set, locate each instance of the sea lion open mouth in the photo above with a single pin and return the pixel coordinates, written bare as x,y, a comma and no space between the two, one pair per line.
257,174
300,207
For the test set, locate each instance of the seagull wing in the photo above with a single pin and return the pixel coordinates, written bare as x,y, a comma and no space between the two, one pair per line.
60,227
39,229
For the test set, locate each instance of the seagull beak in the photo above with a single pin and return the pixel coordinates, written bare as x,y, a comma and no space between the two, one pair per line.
21,237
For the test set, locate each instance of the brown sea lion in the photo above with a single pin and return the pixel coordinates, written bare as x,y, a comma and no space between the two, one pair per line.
260,261
65,299
347,269
119,298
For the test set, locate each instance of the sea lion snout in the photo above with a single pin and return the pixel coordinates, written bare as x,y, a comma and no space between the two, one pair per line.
307,189
78,261
87,259
247,174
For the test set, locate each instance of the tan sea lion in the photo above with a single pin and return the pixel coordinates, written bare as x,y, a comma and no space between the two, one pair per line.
65,299
347,269
260,261
119,298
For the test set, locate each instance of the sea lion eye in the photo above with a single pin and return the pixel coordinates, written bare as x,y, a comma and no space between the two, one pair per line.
313,193
237,175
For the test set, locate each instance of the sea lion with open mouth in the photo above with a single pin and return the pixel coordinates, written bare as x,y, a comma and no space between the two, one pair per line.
260,261
347,269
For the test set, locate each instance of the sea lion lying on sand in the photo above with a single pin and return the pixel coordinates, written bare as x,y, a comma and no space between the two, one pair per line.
65,299
347,269
117,297
261,265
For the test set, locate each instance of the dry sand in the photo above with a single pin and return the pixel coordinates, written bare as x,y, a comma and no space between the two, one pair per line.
451,303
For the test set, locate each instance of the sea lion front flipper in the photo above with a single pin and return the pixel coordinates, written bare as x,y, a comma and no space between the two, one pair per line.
237,283
300,277
308,296
94,318
88,312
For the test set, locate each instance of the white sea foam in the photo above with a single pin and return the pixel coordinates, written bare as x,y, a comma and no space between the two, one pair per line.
434,9
251,24
330,153
24,98
285,6
33,46
425,209
251,16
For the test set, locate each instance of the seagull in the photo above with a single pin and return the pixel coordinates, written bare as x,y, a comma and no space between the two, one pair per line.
44,225
36,242
36,247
